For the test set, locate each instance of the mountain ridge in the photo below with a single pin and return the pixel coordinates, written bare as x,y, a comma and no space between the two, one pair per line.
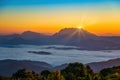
32,35
66,36
8,67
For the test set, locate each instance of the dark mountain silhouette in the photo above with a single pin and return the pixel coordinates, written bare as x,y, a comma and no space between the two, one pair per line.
69,33
27,37
11,39
8,37
115,39
73,36
98,66
32,35
67,36
83,39
8,67
35,38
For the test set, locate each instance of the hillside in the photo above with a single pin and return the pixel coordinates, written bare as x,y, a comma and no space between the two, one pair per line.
8,67
98,66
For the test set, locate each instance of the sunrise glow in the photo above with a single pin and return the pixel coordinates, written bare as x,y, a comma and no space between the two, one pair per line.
99,17
80,27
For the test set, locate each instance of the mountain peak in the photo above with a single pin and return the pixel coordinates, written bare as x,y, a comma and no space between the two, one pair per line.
32,35
29,32
74,33
77,30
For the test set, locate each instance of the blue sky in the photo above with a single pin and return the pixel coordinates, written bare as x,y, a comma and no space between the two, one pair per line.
46,2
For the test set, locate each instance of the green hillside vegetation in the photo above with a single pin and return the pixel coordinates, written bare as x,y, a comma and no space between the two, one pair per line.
74,71
111,73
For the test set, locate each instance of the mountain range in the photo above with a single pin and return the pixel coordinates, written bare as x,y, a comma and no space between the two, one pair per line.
8,67
67,36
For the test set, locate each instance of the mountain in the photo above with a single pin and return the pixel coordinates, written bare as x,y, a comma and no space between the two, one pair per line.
98,66
35,38
8,37
83,39
8,67
67,36
70,33
11,39
73,36
115,39
32,35
27,37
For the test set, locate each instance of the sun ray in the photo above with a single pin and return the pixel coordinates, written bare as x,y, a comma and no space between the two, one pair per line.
80,27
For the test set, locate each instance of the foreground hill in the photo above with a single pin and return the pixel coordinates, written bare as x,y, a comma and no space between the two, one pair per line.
74,71
98,66
67,36
8,67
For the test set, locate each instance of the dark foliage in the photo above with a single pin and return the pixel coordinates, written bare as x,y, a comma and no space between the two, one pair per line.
111,73
74,71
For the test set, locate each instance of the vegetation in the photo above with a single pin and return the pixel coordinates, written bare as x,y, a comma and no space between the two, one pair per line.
23,74
111,73
74,71
77,71
4,78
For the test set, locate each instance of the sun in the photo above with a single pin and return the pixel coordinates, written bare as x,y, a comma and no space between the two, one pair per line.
80,27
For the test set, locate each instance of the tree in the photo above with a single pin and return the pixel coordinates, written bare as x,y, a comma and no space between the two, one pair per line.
55,76
4,78
74,71
89,70
44,74
111,73
23,74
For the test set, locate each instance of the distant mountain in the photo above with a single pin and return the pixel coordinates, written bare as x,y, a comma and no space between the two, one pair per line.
67,36
11,39
115,39
27,37
98,66
8,37
8,67
32,35
73,36
70,33
83,39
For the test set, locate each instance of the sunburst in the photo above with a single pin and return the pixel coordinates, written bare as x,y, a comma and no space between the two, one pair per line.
80,27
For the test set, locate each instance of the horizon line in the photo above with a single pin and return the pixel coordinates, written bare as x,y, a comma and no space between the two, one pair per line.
52,33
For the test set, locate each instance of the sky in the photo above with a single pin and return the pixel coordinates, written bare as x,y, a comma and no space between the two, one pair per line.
101,17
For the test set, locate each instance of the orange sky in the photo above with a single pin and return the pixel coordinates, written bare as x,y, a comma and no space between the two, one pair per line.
101,20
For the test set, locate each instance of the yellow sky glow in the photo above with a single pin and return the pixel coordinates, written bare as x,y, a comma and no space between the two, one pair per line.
99,21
